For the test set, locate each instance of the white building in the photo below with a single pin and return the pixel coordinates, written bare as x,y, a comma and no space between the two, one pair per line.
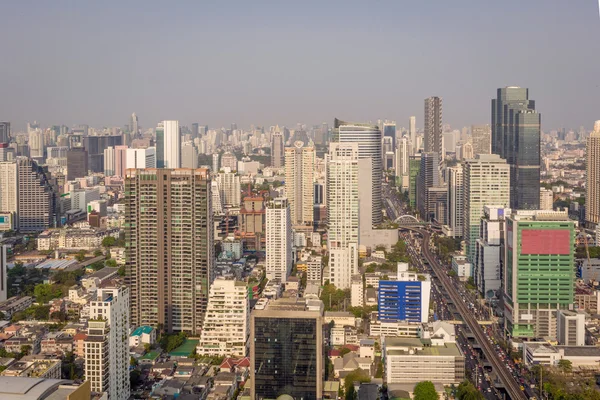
455,207
172,144
570,328
403,153
226,323
106,347
487,269
486,181
3,273
278,239
189,155
229,189
141,158
343,212
9,190
357,292
314,269
461,267
546,199
80,198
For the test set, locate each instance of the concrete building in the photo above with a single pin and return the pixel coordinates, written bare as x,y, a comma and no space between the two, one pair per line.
539,271
546,199
481,137
487,272
410,360
278,239
3,273
115,160
189,155
286,350
403,153
486,181
369,139
412,132
299,182
343,212
428,177
414,167
454,204
570,328
228,160
106,347
141,158
80,198
357,291
170,261
433,126
36,197
277,145
406,298
227,321
171,145
77,163
592,187
9,192
229,189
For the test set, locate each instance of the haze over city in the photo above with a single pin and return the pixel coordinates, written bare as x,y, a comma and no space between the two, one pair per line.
270,63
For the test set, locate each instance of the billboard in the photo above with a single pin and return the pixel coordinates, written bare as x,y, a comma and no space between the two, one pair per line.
546,241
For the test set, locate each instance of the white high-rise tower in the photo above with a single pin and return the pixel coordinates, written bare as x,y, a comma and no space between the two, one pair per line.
172,144
279,239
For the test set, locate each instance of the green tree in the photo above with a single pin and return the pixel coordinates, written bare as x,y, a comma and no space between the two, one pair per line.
111,263
109,241
80,256
566,366
121,271
350,392
44,292
25,350
358,375
98,253
425,391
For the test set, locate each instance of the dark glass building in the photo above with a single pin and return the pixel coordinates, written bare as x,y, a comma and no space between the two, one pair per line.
516,127
160,146
77,163
286,351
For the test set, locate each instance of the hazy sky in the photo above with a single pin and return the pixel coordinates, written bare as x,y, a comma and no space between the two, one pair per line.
268,62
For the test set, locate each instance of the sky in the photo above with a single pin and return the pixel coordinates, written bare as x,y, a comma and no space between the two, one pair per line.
288,62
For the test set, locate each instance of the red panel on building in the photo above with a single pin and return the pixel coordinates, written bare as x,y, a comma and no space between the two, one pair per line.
545,241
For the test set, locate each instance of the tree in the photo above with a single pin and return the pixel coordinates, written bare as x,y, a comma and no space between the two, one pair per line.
425,391
98,253
111,263
59,316
358,375
44,292
566,366
350,392
121,270
80,256
109,241
25,350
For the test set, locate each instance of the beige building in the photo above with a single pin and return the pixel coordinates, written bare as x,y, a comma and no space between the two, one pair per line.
169,228
592,187
299,182
546,199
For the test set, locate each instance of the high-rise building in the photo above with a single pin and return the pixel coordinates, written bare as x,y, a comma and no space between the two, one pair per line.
277,152
278,239
95,146
539,271
389,130
516,138
433,125
9,190
368,138
229,160
570,328
135,129
141,158
37,145
481,137
487,267
77,163
169,231
106,346
406,298
486,181
36,197
403,152
172,144
229,189
3,273
343,212
189,155
286,351
454,204
7,153
227,322
414,167
195,130
160,145
428,177
546,199
412,132
299,182
115,160
592,187
4,132
215,163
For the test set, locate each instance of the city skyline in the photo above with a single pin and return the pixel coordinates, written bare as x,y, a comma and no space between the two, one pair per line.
290,57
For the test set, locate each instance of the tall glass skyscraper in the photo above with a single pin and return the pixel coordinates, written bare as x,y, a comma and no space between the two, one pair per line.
516,138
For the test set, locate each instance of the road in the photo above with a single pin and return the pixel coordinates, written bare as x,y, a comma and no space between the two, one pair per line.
512,387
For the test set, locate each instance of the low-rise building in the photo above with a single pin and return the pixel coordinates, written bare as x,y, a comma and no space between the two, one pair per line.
74,238
547,354
15,304
142,335
34,368
340,318
357,292
461,267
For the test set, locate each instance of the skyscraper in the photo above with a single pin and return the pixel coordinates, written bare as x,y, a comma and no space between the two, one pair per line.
343,212
368,138
539,271
277,152
592,188
141,158
77,163
106,352
4,132
412,132
403,152
286,351
9,190
169,231
455,205
278,241
160,145
481,137
486,181
172,144
433,125
189,155
414,167
389,130
428,177
299,182
516,138
229,189
135,129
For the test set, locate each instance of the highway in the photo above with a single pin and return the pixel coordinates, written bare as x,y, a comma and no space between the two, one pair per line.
512,387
